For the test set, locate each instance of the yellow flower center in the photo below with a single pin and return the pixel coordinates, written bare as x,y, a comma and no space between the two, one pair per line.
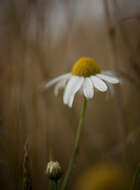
85,67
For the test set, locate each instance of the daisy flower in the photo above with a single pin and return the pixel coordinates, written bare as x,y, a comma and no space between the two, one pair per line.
86,76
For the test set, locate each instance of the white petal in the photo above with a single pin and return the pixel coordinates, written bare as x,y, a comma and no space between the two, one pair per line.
53,81
88,89
111,79
72,87
108,73
71,100
60,84
98,83
110,91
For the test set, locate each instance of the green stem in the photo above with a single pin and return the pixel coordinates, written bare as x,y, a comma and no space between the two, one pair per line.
136,178
56,185
76,146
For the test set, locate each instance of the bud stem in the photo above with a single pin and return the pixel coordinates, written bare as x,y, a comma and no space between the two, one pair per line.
76,146
56,185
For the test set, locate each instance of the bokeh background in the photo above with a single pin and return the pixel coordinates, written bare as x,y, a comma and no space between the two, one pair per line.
41,39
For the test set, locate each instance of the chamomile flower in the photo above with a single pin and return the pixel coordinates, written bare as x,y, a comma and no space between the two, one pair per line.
86,76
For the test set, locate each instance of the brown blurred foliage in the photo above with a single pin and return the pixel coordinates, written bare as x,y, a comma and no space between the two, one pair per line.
40,39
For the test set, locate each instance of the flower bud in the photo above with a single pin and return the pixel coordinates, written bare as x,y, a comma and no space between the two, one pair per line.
54,170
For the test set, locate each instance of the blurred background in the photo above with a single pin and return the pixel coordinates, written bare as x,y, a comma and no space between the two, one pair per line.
41,39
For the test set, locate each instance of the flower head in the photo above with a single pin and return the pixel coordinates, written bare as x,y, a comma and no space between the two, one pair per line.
86,76
85,67
54,170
